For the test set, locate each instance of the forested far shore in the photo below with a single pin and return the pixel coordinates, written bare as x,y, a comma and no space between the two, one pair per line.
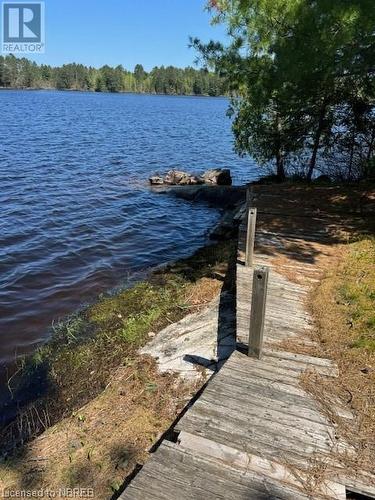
23,74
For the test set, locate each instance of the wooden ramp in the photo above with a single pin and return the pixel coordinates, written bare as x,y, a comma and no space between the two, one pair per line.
254,432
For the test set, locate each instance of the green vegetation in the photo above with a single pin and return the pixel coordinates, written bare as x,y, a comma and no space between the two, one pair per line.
22,73
87,347
304,76
343,305
357,293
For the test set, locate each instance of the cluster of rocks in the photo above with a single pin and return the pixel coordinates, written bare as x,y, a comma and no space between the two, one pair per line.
217,176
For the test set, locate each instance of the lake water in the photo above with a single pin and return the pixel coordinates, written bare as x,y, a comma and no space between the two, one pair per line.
77,217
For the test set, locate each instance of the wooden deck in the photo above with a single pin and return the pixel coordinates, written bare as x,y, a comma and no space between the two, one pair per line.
254,432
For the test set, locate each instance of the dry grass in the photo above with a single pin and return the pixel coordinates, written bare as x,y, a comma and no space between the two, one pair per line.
343,305
202,293
100,444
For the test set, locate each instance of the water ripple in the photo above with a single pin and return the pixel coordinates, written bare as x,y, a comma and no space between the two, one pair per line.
76,213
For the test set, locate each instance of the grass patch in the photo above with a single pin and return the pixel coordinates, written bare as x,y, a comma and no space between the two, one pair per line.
356,293
343,305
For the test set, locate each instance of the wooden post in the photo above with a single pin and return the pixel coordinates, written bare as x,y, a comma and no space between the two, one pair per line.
249,197
250,236
258,311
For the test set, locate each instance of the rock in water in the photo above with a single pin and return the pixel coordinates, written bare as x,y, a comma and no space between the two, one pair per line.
156,180
176,177
179,178
218,176
194,180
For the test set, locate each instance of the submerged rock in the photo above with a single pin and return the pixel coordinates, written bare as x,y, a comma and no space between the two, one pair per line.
218,176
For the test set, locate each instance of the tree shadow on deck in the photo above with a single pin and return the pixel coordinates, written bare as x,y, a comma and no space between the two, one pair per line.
302,222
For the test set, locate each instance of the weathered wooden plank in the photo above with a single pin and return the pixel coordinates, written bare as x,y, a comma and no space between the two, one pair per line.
175,472
267,397
241,460
269,372
203,476
258,384
266,417
226,470
266,380
291,415
257,387
303,358
260,444
287,366
267,431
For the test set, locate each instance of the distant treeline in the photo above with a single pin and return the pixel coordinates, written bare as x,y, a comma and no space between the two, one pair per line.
22,73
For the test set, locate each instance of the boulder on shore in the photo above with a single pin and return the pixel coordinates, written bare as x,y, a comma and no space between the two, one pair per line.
218,176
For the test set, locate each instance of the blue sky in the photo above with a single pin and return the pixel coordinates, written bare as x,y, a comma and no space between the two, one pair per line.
127,32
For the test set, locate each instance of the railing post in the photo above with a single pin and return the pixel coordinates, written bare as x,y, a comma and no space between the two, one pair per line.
258,311
249,197
250,236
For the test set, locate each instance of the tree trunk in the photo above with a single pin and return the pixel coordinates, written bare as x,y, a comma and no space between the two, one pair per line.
371,145
316,145
280,171
352,145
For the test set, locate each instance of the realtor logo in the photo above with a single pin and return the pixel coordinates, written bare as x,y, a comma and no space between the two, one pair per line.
23,28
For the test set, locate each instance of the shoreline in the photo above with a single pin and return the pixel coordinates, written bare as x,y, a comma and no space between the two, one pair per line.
121,92
31,377
134,275
108,438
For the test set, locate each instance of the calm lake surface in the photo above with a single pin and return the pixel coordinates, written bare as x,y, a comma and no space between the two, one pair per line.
77,217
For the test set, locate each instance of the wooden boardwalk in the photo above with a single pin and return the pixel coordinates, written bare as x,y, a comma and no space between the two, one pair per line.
254,432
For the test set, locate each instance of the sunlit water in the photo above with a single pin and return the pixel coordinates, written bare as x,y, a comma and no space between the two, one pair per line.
77,217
